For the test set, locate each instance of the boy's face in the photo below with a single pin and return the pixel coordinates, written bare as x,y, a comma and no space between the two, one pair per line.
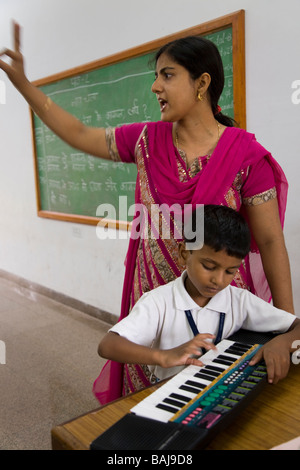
208,271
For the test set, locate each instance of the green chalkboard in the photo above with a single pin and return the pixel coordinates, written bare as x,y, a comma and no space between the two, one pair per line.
72,185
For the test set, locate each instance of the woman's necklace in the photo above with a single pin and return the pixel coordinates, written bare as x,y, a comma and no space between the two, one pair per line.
209,154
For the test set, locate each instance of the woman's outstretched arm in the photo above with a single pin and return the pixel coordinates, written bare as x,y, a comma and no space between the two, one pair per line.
87,139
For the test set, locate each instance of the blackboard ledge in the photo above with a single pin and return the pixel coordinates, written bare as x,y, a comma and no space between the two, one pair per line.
87,220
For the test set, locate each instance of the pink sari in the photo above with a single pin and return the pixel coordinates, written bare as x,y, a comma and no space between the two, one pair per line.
159,183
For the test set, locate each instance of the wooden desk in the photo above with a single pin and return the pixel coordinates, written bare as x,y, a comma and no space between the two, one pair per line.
271,419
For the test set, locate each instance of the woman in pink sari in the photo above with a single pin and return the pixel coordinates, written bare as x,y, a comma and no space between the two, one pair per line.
193,156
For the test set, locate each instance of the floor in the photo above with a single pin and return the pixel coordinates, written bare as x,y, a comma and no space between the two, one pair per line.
50,365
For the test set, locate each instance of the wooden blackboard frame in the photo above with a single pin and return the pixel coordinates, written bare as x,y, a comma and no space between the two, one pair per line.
235,21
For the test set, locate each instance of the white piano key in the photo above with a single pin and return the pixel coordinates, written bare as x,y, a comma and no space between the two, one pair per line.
154,413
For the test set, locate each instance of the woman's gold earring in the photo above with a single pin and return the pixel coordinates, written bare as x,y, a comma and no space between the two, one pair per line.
199,96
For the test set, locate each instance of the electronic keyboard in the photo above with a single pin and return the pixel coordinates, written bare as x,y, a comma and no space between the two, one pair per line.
188,410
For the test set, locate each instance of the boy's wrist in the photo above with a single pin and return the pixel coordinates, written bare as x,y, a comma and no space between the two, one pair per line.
157,357
283,341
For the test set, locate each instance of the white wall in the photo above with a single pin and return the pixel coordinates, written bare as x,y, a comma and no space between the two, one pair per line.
61,34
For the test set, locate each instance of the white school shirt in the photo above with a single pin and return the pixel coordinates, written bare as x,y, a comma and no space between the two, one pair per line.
158,318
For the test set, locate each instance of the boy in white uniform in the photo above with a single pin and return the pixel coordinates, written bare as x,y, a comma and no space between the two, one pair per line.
158,332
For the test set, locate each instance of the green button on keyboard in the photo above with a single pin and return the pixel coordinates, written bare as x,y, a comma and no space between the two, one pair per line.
205,402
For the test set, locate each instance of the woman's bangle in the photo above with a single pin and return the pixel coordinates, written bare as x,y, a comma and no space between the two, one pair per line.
47,105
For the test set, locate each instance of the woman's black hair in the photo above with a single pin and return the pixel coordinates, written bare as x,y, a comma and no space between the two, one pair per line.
198,55
224,229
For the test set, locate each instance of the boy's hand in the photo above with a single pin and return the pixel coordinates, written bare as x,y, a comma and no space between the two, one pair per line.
183,354
276,354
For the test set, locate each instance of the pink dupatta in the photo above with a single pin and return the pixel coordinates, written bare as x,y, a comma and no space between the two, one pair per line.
236,149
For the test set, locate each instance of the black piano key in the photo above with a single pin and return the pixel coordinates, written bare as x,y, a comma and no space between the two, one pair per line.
217,369
220,361
235,351
204,376
210,372
198,385
177,396
170,401
189,389
226,358
171,409
242,346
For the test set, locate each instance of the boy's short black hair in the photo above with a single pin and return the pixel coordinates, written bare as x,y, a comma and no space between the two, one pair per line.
224,229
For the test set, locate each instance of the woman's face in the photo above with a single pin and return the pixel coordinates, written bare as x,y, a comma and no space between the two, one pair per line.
176,91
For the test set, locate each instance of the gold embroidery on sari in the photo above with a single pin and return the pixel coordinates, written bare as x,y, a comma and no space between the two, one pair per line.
142,278
260,198
150,255
239,281
157,258
239,180
160,224
194,169
233,196
136,282
197,165
137,383
160,262
145,141
231,199
111,144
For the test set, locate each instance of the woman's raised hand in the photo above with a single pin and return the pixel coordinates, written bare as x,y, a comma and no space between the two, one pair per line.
14,69
87,139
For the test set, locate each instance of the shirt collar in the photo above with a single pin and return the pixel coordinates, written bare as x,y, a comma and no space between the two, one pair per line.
183,301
